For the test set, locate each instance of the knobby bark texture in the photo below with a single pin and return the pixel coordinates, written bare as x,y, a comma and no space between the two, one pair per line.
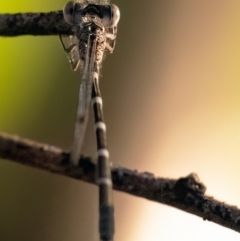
51,23
186,193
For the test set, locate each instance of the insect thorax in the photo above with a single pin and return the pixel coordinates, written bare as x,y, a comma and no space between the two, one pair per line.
91,28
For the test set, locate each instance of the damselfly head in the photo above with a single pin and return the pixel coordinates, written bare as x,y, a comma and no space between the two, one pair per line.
108,14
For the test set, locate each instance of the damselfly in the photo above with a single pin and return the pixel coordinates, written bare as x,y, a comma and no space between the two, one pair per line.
95,26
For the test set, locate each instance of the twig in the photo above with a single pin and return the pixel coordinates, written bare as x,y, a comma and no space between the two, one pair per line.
51,23
187,194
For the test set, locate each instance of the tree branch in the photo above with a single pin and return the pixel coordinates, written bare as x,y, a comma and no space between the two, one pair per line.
186,194
51,23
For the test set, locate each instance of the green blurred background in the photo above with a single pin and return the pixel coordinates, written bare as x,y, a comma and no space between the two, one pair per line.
171,94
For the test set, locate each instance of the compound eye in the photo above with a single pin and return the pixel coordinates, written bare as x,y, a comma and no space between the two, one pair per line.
109,15
69,12
115,16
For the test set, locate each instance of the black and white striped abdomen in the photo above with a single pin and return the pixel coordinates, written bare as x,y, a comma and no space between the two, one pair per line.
104,180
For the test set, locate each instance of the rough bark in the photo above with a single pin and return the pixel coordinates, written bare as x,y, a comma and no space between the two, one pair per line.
186,193
51,23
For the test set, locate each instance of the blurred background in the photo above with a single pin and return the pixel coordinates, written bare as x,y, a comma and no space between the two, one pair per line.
171,95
